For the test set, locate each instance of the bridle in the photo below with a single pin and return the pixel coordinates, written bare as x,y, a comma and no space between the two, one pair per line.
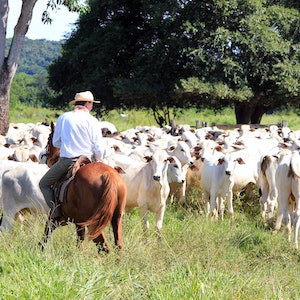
46,154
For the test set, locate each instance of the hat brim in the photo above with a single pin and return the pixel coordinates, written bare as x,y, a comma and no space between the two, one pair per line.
82,100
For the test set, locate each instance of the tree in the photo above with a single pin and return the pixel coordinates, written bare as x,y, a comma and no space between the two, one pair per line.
252,49
127,52
9,61
175,54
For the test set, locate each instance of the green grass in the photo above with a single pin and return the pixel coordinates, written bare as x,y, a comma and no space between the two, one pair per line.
198,259
145,118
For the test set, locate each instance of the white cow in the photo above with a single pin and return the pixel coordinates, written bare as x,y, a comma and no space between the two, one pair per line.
190,138
267,187
41,133
288,185
8,165
206,149
148,187
6,152
175,173
182,151
248,172
20,191
109,126
217,183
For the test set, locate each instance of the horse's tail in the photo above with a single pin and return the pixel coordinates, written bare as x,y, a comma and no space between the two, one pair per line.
105,210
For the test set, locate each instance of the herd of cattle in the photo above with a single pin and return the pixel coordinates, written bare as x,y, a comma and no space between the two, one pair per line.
159,162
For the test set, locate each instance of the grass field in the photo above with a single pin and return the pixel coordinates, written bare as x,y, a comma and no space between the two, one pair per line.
197,259
145,118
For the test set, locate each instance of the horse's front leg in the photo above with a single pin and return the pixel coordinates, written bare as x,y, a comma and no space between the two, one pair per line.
50,226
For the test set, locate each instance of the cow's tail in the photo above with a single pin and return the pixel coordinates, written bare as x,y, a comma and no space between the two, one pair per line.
106,206
264,164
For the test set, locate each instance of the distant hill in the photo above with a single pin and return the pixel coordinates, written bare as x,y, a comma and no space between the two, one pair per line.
36,55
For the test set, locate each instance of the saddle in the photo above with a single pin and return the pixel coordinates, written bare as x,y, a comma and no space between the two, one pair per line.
61,186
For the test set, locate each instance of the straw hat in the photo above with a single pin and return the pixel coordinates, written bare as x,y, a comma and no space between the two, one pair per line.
84,96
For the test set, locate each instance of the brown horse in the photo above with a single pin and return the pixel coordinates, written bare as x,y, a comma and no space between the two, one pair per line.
95,197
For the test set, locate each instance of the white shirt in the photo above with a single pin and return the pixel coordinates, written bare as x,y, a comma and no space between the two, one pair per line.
77,133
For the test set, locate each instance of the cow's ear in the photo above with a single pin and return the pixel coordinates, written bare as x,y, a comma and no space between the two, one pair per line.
119,170
284,145
33,158
193,168
219,148
220,161
171,159
240,161
116,148
148,158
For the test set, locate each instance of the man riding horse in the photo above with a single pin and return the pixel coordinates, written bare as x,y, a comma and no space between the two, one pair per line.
76,133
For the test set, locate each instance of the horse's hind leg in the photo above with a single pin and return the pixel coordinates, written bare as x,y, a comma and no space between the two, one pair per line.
116,223
80,230
101,243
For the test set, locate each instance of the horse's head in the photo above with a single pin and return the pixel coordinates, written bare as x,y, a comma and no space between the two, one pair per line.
52,153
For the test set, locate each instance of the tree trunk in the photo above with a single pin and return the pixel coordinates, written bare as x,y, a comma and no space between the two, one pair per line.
243,111
4,103
257,114
249,112
9,64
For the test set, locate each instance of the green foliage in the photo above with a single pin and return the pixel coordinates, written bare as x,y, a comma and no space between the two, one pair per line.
25,114
249,49
123,59
30,86
198,54
36,55
167,56
72,5
29,90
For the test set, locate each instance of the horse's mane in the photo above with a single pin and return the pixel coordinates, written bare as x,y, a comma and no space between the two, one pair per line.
52,153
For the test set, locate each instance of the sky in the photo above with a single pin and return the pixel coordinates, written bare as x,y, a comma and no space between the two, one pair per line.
61,22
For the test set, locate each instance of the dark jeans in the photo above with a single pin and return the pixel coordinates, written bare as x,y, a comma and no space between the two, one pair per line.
51,177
